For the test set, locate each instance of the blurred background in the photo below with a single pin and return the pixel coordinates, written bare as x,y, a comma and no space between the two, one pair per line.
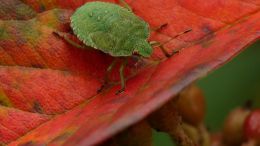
226,88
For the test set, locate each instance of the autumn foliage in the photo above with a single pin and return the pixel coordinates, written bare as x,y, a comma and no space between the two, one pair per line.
48,89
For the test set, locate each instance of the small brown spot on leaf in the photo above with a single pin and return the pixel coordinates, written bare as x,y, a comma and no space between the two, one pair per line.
207,29
4,100
31,143
206,43
37,107
37,66
209,34
42,8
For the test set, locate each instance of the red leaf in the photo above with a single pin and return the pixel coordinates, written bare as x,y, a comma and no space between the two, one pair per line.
44,79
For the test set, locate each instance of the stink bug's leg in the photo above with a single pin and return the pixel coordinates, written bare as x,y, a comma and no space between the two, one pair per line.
125,5
67,39
165,52
158,44
108,72
122,78
159,27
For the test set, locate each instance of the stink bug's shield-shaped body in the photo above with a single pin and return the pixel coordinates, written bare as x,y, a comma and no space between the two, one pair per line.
111,29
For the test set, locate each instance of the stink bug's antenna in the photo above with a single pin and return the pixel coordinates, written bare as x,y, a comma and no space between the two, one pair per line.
160,45
176,36
158,28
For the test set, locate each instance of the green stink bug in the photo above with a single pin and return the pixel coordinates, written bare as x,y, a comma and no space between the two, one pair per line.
114,30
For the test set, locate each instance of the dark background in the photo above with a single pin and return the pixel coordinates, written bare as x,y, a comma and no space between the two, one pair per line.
226,88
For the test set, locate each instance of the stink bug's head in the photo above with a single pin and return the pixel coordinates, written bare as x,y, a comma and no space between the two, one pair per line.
143,48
